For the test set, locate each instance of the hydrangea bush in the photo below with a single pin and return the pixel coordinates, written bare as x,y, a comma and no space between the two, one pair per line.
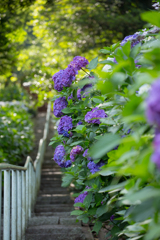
110,137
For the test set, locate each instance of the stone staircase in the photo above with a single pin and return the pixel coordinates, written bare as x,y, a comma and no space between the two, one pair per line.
51,218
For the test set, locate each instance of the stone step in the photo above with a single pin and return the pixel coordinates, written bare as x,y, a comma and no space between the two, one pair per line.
50,185
54,195
69,221
59,214
50,171
49,182
50,164
51,174
52,179
37,221
58,232
53,220
52,200
54,208
53,190
46,177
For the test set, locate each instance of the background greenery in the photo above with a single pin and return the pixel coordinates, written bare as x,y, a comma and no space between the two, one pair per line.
39,37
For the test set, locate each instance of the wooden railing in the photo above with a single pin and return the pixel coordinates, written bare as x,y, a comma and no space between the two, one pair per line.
20,188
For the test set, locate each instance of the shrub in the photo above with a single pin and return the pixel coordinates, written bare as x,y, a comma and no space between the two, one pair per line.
118,169
16,133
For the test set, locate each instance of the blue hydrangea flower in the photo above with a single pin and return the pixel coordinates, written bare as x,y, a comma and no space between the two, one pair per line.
78,62
85,154
64,126
75,150
59,157
95,167
64,78
95,113
153,106
59,104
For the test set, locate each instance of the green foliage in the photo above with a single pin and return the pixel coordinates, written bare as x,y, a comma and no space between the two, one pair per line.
125,192
13,92
39,37
16,133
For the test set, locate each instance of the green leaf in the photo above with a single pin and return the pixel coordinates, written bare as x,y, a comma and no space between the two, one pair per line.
104,145
106,172
79,204
67,110
67,179
152,17
116,187
153,233
101,210
87,200
105,51
76,143
115,230
77,212
127,48
80,129
97,227
141,195
135,51
84,218
93,63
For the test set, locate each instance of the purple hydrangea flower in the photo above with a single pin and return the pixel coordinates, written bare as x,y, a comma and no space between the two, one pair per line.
85,154
136,61
135,39
112,217
89,85
83,91
156,155
59,157
114,60
71,96
79,94
78,62
95,167
63,78
153,106
79,123
68,164
64,126
95,113
75,150
59,104
81,197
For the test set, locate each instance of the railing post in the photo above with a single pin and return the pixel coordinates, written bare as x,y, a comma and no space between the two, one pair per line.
23,202
19,206
27,195
6,213
14,205
30,189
